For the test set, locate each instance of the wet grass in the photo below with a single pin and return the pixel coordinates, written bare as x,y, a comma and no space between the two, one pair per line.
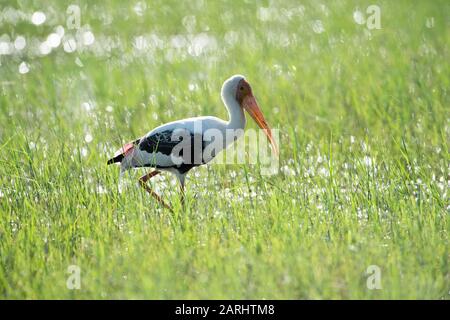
364,166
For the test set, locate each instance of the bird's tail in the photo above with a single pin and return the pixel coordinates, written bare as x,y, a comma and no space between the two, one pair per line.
122,152
116,159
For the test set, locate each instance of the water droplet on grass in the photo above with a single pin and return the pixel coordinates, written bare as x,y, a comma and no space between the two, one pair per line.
69,45
358,16
318,26
38,18
60,31
88,38
44,48
139,8
201,43
23,68
193,87
5,47
53,40
88,138
87,106
367,161
324,172
140,43
20,43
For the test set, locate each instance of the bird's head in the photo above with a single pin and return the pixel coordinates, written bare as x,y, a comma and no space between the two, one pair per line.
239,89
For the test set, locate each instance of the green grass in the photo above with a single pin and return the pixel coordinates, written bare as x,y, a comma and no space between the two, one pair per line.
364,180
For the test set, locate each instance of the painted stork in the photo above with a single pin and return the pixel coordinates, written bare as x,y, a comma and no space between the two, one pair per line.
156,148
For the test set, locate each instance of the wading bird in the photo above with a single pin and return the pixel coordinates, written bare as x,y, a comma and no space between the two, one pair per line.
179,146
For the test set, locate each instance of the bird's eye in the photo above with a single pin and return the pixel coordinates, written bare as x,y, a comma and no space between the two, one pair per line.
241,88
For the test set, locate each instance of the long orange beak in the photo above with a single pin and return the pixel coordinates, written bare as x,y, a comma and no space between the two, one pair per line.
249,103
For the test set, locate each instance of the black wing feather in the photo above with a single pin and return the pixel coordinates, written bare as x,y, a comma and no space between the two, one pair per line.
162,142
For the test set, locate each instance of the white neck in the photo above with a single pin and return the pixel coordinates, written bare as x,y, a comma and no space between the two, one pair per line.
235,112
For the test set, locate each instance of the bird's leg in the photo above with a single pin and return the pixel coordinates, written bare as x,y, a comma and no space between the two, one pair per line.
181,179
143,182
183,195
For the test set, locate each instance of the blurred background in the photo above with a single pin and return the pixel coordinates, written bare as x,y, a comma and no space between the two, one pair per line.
314,66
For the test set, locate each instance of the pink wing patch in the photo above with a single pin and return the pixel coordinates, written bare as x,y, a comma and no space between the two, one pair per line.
125,150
